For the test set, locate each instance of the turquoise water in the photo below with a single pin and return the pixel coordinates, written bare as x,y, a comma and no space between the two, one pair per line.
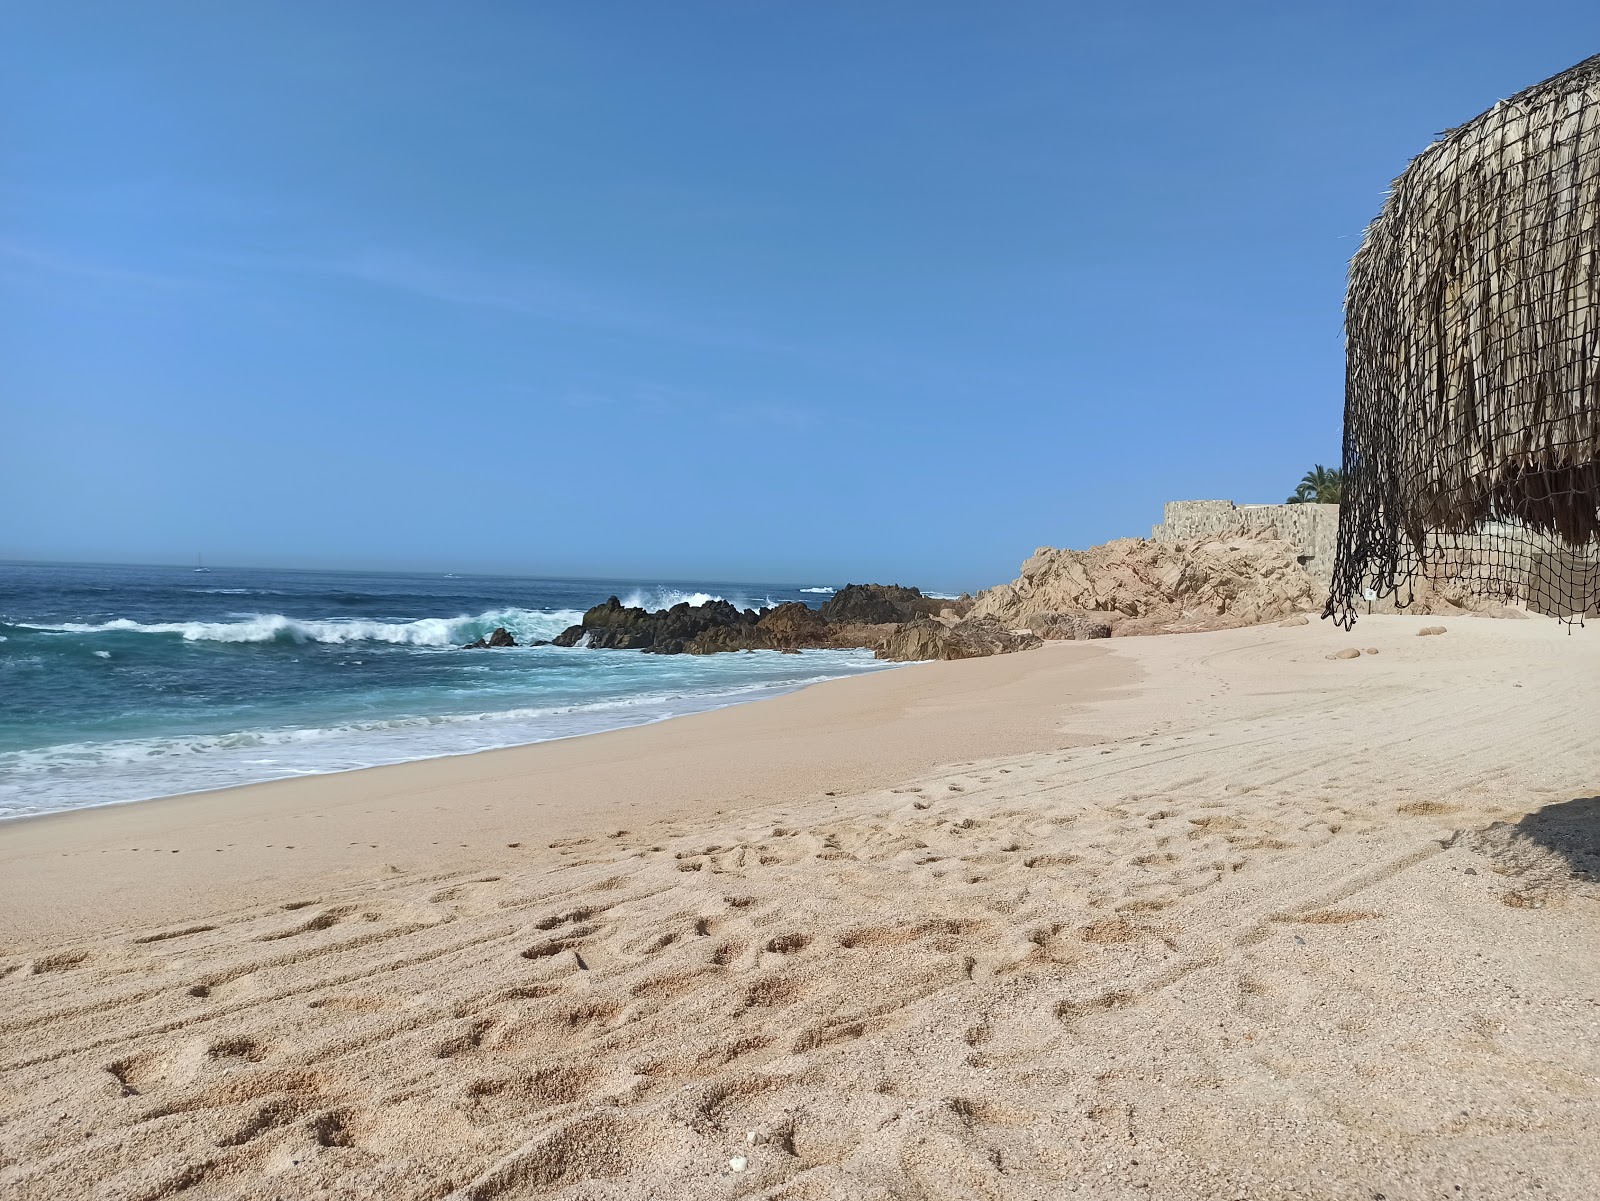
122,683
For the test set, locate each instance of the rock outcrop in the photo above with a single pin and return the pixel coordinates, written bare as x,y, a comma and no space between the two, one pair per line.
880,604
500,637
924,638
789,627
1064,627
612,625
892,621
1135,586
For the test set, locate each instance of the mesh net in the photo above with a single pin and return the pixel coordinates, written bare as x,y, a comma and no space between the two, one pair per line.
1472,386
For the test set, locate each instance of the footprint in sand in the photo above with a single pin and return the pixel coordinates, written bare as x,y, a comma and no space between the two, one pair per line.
468,1038
61,961
502,1099
322,921
788,944
353,1004
166,935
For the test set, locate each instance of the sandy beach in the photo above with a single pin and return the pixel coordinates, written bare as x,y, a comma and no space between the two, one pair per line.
1199,916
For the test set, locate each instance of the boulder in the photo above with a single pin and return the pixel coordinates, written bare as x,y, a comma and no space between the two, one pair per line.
1066,626
849,635
500,637
714,641
789,627
794,625
924,638
878,604
612,625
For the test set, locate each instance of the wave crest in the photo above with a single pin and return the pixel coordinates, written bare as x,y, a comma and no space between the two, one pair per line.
526,625
666,598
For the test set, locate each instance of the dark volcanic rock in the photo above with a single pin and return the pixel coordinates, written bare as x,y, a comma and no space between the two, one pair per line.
500,637
893,622
854,634
789,627
875,604
794,624
615,626
878,604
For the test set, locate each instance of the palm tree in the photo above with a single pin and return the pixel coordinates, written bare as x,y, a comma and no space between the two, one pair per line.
1320,486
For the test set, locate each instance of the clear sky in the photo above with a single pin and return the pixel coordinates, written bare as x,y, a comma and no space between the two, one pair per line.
792,292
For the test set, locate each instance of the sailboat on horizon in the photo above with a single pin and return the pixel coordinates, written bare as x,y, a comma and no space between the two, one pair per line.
200,563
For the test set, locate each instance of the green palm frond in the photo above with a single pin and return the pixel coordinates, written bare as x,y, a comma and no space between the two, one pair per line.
1321,486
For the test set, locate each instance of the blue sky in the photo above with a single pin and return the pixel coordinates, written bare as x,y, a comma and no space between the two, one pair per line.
731,291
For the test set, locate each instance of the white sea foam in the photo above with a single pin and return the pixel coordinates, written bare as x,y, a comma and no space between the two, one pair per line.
103,654
71,775
665,598
822,591
524,624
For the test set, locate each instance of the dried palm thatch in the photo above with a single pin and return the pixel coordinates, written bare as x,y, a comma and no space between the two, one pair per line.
1472,386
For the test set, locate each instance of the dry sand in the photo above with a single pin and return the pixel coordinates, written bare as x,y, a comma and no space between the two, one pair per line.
1202,916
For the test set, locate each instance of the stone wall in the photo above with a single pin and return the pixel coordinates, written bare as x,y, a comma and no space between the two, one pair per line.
1468,569
1313,528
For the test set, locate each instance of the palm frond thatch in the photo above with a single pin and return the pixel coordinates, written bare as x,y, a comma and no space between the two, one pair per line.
1472,387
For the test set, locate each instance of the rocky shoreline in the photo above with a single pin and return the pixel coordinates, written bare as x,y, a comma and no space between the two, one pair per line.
1129,586
894,622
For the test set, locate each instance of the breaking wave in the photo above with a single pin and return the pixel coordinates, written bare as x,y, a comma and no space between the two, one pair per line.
821,591
665,598
135,750
72,775
525,625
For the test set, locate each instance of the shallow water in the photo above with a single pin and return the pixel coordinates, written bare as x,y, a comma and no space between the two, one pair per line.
121,683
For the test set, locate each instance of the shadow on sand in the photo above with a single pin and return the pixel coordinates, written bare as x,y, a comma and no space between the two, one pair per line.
1559,841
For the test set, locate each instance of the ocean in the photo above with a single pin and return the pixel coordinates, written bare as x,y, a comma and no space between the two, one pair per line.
123,683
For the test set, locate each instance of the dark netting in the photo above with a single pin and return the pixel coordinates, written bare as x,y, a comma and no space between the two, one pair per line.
1472,378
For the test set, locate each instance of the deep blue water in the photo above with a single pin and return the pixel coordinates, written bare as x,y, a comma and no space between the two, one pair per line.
120,683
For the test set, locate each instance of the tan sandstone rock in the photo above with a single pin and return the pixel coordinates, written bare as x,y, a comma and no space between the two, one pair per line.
1065,626
1139,586
925,638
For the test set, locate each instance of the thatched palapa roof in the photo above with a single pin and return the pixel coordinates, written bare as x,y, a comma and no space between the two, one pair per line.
1472,389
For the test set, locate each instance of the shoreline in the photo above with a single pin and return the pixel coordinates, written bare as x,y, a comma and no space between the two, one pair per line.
694,765
715,701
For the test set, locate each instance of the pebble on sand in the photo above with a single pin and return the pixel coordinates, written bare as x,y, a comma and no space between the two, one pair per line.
738,1163
1348,652
1426,630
